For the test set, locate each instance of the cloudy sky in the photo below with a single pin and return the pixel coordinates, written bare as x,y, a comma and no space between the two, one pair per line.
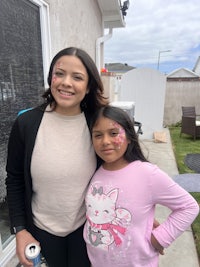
153,26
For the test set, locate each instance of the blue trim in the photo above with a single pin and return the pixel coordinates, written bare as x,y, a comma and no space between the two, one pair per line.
23,110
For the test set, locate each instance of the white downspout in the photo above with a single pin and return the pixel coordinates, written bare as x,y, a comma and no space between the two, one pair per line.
99,41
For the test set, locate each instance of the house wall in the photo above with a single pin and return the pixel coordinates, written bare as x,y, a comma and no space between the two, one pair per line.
181,92
75,23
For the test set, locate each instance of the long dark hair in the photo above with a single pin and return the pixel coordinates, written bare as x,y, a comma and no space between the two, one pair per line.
134,151
94,99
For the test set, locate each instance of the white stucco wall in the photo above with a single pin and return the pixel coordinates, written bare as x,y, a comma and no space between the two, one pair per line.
74,23
145,87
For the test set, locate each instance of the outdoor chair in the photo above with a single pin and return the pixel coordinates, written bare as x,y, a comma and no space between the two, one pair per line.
138,127
192,161
190,124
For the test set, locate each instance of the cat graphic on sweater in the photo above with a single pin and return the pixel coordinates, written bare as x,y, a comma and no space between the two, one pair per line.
105,222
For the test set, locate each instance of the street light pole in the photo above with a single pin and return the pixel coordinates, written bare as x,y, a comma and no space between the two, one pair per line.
159,57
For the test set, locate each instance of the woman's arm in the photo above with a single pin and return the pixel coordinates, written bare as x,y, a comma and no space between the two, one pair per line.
15,177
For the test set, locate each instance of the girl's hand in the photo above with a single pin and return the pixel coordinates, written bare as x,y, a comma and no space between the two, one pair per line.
157,245
23,238
155,223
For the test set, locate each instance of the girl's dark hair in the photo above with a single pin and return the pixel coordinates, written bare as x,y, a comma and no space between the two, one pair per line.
134,151
94,99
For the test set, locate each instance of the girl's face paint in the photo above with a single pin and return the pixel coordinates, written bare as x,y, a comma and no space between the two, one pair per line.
53,79
56,67
121,137
110,143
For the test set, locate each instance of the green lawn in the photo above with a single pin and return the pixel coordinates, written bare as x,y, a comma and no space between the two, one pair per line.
182,146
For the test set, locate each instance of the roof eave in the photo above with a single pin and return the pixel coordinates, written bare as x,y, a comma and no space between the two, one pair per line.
112,13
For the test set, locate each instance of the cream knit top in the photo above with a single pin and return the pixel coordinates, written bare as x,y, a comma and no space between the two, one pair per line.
63,162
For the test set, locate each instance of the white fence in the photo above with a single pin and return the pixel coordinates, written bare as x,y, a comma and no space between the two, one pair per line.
145,87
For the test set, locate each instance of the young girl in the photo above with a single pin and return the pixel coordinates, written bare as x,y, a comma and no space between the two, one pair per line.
122,196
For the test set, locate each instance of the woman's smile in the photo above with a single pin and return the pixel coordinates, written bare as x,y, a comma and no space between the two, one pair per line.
69,85
65,93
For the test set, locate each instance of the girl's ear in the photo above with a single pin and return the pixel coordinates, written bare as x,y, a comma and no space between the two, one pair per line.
87,91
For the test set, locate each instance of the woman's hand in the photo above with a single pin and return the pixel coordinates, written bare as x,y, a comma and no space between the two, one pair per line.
23,238
157,245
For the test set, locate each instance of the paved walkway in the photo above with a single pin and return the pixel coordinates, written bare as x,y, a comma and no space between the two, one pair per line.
189,181
182,253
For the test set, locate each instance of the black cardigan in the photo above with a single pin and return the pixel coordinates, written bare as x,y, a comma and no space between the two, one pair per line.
19,181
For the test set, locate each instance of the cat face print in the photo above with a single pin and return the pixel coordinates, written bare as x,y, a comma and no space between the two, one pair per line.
101,208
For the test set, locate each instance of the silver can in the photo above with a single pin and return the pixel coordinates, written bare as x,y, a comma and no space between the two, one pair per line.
32,253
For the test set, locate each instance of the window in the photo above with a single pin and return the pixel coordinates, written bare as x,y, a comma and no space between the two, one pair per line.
24,31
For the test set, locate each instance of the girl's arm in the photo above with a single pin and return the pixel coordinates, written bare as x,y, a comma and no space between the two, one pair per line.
183,206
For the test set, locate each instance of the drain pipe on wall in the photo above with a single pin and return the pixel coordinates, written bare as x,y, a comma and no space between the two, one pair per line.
99,41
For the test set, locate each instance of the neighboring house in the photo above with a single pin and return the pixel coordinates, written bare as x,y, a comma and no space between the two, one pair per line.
197,66
118,68
182,89
111,76
32,32
182,73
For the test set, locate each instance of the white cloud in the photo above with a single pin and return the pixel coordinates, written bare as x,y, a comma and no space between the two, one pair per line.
157,25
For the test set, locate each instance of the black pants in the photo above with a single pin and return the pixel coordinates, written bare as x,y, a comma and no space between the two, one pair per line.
69,251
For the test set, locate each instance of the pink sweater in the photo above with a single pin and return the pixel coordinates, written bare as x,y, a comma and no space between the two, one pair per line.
120,213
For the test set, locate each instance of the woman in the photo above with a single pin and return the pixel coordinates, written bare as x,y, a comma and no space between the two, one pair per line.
51,160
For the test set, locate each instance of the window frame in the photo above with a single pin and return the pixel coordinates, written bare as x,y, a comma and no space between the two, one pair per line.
45,36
